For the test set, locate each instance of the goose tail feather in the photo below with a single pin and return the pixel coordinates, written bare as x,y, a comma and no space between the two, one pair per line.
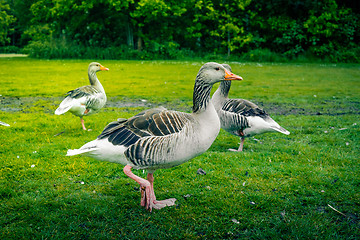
276,127
65,106
73,152
60,110
280,130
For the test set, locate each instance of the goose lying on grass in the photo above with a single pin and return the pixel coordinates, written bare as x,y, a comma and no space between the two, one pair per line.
85,100
160,138
241,117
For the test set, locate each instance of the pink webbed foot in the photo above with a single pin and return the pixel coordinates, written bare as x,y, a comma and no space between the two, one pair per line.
240,147
148,198
234,150
153,202
163,203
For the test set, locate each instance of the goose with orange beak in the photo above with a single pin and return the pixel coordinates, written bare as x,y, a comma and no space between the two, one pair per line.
159,138
85,100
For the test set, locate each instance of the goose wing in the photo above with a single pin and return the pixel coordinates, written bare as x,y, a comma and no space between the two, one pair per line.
244,107
87,94
245,114
83,91
152,122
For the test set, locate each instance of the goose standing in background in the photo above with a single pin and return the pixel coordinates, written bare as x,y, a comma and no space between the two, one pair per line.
241,117
85,100
159,138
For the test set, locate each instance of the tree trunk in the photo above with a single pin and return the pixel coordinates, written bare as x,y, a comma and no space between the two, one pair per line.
139,42
129,35
228,40
228,34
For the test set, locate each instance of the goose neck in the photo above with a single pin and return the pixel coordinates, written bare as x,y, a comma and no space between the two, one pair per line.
201,97
224,88
94,81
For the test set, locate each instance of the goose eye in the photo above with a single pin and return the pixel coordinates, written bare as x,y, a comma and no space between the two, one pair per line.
217,69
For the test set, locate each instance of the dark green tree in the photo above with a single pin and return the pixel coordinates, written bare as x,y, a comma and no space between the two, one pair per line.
6,21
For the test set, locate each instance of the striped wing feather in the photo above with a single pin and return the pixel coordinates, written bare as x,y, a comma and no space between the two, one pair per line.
83,91
153,122
94,98
244,107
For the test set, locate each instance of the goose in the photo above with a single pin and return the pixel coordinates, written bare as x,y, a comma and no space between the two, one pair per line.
85,100
241,117
159,138
4,124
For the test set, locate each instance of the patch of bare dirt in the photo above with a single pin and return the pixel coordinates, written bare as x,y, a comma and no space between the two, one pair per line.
6,55
48,105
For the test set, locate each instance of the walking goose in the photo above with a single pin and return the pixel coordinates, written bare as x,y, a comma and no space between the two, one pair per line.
85,100
159,138
241,117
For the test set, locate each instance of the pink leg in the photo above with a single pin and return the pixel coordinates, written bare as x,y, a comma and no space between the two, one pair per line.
148,199
155,203
83,124
241,144
144,185
240,147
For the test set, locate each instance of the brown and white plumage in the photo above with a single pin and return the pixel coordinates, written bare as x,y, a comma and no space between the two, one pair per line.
160,138
241,117
85,100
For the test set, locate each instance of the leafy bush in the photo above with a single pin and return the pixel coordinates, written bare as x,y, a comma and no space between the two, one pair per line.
10,49
60,48
350,55
263,55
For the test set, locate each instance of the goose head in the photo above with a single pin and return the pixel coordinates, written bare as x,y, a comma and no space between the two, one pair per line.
95,67
209,74
212,72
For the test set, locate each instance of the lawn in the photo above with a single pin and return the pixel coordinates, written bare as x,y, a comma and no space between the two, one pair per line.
302,186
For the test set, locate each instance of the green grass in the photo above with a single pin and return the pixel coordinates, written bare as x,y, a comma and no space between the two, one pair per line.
279,187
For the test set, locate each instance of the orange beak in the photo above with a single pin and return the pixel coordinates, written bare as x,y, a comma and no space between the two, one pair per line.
102,68
230,76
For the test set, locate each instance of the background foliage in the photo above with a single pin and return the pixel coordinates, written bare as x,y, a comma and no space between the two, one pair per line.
148,29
